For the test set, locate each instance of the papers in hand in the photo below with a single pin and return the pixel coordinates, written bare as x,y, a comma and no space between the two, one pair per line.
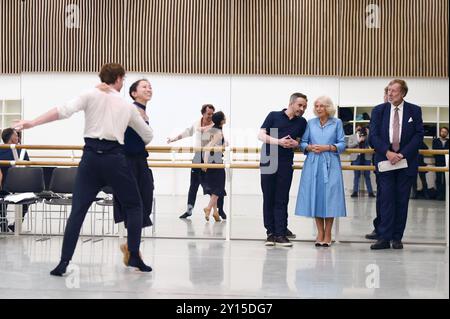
386,166
16,198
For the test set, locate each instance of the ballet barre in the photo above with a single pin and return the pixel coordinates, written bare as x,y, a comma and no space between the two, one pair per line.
229,165
188,164
189,149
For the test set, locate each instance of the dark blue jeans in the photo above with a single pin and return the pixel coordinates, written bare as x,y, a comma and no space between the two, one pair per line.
358,175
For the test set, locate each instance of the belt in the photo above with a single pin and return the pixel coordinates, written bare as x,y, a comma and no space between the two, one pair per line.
326,164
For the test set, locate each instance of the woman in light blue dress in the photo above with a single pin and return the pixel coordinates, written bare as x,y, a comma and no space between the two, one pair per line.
321,190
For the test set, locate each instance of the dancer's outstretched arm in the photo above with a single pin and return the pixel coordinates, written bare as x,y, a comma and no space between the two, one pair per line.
49,116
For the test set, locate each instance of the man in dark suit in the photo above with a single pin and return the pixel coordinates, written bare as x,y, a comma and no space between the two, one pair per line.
440,143
9,136
396,134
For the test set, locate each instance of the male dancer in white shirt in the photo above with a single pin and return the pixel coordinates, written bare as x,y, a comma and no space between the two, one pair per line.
107,115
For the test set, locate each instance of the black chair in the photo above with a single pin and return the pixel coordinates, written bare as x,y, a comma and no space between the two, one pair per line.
23,180
61,187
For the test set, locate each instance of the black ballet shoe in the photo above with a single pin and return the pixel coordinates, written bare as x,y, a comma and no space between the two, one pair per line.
60,269
216,215
222,215
137,262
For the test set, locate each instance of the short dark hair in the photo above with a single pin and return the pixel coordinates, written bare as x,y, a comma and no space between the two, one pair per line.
133,87
444,127
110,72
217,118
7,133
297,95
207,106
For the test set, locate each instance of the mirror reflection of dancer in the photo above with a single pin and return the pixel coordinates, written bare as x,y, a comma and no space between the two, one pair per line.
201,137
215,177
107,115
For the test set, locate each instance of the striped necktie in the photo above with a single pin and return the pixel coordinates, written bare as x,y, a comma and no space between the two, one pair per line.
396,131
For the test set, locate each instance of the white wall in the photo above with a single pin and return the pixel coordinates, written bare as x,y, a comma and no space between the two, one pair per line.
9,87
176,103
369,91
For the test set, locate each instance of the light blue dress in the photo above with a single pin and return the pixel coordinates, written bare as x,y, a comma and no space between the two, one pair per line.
321,191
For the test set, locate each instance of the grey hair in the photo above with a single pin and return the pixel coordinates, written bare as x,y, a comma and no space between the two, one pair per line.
328,103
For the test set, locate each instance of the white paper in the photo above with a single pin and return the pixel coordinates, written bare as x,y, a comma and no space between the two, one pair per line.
386,166
15,198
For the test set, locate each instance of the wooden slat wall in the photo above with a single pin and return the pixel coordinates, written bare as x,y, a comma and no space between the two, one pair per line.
280,37
285,37
10,32
412,39
50,46
178,36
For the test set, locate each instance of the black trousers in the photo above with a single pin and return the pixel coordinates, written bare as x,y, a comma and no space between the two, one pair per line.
423,180
377,219
138,166
103,164
275,188
198,177
440,185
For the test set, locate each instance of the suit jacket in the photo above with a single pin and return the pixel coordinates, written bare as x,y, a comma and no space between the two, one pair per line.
411,136
7,155
437,145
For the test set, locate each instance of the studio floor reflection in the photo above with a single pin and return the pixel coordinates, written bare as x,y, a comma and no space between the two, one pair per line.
425,224
220,269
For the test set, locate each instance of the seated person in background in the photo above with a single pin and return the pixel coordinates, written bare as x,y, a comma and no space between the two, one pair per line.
423,178
9,136
360,140
440,143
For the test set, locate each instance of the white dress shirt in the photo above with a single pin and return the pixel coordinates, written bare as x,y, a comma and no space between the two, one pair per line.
391,122
201,139
107,115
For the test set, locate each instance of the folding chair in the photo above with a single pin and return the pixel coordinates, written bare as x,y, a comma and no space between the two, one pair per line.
23,180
